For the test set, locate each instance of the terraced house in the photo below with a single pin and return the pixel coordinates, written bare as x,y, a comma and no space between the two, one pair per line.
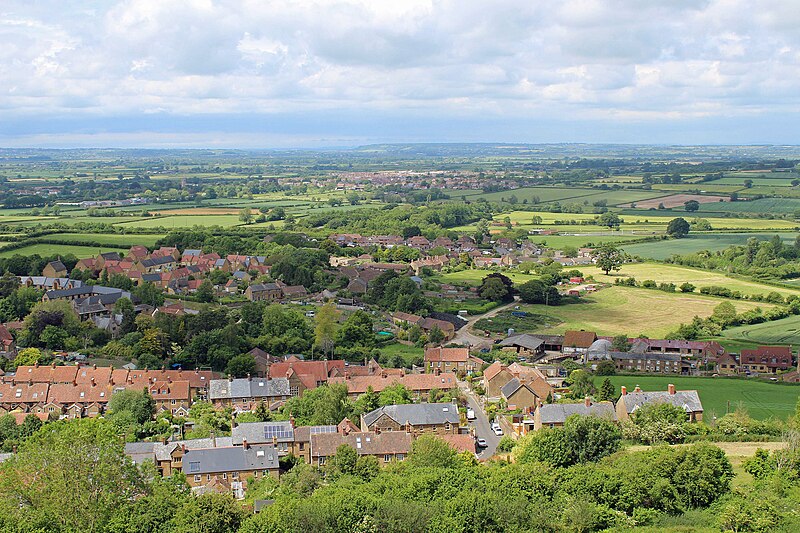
451,360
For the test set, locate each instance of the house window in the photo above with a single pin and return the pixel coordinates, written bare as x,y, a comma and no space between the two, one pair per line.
302,446
208,477
400,456
236,475
321,461
386,458
447,426
265,473
294,391
172,402
197,478
224,475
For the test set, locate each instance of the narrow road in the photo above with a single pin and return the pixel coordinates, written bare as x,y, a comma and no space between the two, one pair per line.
465,336
482,425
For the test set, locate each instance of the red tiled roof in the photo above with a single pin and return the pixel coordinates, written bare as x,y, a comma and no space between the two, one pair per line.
452,355
414,382
579,339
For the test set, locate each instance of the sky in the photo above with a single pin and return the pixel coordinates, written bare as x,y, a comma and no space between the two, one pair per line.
337,73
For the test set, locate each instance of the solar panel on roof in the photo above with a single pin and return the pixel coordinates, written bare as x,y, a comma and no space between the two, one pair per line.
278,431
323,429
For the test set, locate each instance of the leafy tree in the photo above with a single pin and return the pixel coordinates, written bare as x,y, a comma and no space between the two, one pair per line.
357,330
367,402
77,465
430,452
609,257
581,384
620,343
28,357
582,439
436,335
241,365
343,462
58,313
210,513
605,368
687,287
678,227
724,313
325,330
691,205
53,337
395,394
537,291
139,405
497,288
246,215
328,404
205,292
612,220
149,294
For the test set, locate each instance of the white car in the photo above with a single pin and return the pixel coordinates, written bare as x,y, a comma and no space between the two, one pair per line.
498,431
470,414
482,443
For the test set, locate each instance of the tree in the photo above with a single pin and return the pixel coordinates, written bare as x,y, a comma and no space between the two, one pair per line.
607,391
343,462
605,368
246,215
687,287
608,257
724,313
28,357
497,288
210,513
748,184
436,335
620,343
328,404
327,319
678,228
78,465
357,330
537,291
691,206
205,292
139,406
612,220
241,365
582,439
395,394
581,383
431,452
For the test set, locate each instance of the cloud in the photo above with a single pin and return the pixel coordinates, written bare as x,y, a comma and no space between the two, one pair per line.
626,61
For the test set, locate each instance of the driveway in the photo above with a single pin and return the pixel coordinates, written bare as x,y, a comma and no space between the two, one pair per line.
483,428
465,336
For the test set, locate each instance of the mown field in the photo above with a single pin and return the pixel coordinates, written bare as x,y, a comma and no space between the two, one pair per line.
631,311
679,275
763,205
185,221
45,250
762,400
475,276
696,243
107,239
784,331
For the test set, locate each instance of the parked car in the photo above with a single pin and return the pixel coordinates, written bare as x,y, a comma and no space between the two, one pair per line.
498,431
481,443
470,414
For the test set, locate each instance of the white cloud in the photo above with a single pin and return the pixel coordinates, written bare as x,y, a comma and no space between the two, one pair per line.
607,59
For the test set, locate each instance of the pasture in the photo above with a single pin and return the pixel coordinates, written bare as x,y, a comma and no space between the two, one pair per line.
678,275
762,205
475,276
185,221
762,400
695,243
784,331
46,250
678,200
107,239
631,311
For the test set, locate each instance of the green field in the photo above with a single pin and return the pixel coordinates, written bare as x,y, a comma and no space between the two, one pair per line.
762,400
695,243
679,275
45,250
107,239
630,311
784,331
474,276
185,221
763,205
558,242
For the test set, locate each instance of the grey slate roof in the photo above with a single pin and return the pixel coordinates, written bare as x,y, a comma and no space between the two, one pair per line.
141,452
557,413
222,389
158,261
655,356
57,266
510,388
688,400
417,414
232,459
262,432
529,342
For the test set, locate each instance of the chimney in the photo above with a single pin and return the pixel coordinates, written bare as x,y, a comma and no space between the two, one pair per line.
53,364
244,444
377,431
291,421
248,377
183,447
196,370
637,389
230,378
30,382
587,401
623,390
671,388
437,371
346,374
93,382
36,365
402,372
383,374
94,366
408,426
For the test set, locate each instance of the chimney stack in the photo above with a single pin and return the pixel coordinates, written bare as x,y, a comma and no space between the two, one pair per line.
230,378
637,389
623,390
291,421
587,401
671,388
244,444
249,378
93,383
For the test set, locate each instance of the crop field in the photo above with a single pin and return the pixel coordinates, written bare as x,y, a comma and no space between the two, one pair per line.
579,241
678,200
678,275
544,194
762,400
631,311
773,180
703,187
695,243
784,331
45,250
107,239
762,205
185,221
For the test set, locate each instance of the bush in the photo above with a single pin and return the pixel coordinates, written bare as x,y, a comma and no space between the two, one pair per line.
506,444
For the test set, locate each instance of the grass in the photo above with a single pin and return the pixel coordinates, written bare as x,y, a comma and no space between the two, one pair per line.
679,275
46,250
475,276
107,239
558,242
763,205
784,331
630,311
696,243
409,354
185,221
761,399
